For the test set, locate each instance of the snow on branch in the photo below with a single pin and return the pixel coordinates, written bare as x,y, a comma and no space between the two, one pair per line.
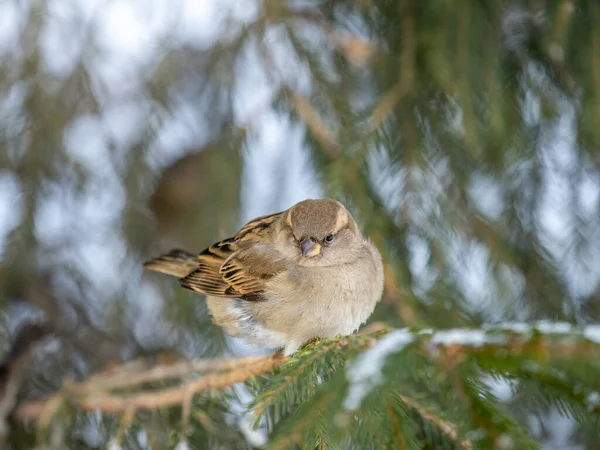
104,392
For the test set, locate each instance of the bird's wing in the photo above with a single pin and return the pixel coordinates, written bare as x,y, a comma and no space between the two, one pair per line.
177,263
238,267
258,228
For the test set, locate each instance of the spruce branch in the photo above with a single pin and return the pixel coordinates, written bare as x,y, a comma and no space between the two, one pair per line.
448,346
302,367
460,353
396,427
313,382
446,427
568,393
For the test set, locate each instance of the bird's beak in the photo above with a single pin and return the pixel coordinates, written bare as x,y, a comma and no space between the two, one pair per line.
310,248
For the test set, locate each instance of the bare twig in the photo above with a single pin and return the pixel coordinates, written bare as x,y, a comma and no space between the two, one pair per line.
406,83
124,378
321,130
357,50
387,104
396,427
85,397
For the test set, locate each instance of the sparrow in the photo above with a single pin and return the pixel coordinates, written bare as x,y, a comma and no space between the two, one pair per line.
286,279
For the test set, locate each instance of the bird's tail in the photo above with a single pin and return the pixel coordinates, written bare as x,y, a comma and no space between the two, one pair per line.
177,263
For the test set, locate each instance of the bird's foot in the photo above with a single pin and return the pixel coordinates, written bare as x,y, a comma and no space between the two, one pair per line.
280,356
311,344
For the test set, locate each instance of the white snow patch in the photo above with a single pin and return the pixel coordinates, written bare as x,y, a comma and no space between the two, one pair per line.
256,438
488,196
365,372
114,444
505,442
11,21
182,445
475,338
515,327
593,400
11,207
543,326
592,332
142,439
557,431
501,388
554,327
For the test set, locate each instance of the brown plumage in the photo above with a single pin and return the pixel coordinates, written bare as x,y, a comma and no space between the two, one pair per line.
234,267
286,278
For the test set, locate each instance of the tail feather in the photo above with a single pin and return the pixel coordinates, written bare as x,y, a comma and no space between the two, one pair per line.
177,263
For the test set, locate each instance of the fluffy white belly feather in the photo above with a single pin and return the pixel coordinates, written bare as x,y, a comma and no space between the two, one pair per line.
297,311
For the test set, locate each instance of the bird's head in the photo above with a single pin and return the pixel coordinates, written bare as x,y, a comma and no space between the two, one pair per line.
320,233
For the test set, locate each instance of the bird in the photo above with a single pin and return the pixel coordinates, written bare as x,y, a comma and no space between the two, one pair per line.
286,279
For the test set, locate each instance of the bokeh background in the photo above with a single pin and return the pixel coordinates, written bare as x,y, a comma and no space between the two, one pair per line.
464,137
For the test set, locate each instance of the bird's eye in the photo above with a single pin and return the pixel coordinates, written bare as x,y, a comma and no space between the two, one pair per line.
328,239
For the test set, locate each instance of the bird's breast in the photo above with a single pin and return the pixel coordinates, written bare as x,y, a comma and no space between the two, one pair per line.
324,302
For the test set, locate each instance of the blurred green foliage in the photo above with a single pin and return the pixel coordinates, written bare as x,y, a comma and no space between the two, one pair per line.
464,136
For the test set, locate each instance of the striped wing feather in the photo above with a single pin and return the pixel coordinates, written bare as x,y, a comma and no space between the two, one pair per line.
238,267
